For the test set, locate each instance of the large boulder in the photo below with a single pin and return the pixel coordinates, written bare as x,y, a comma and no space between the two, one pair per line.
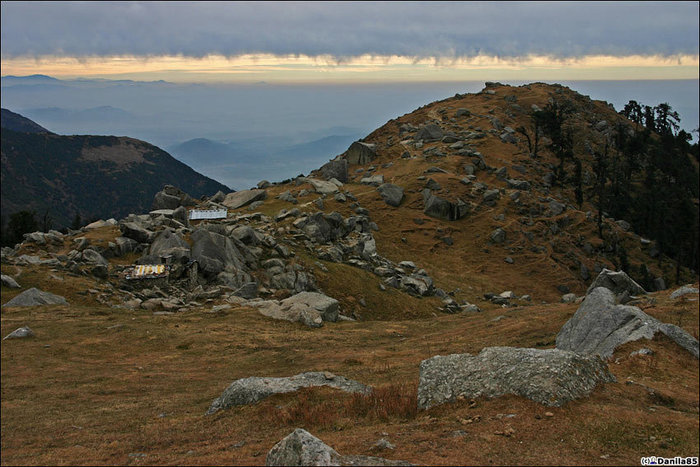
599,326
429,132
391,194
136,232
238,199
216,253
323,187
309,308
302,448
679,292
442,208
253,389
551,377
337,168
618,282
169,243
360,153
35,297
163,200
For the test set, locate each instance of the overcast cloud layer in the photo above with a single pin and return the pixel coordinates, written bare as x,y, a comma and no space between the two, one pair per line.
432,29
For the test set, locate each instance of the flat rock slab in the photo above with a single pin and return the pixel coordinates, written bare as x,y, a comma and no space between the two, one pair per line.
322,186
551,377
302,448
599,326
618,282
253,389
239,199
309,308
35,297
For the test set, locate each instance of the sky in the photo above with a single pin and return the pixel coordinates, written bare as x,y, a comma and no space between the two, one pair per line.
250,42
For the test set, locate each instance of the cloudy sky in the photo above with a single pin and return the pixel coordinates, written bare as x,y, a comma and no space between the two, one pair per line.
348,41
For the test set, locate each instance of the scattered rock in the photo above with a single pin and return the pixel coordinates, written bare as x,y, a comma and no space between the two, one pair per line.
498,236
685,290
309,308
36,297
323,187
8,281
303,448
429,132
253,389
391,194
20,333
551,377
569,298
442,208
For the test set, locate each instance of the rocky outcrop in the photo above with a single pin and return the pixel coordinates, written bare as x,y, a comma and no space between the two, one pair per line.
309,308
442,208
618,282
599,326
551,377
36,297
302,448
217,254
239,199
253,389
337,168
171,197
360,153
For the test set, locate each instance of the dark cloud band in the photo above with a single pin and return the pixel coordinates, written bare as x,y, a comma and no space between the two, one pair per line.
431,29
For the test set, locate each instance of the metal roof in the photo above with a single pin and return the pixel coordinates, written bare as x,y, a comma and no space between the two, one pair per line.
196,214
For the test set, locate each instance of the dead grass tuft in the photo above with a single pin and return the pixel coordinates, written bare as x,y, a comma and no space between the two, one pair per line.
384,403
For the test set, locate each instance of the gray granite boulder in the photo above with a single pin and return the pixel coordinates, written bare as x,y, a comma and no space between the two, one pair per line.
599,326
685,290
360,153
20,333
618,282
302,448
238,199
322,186
169,243
429,132
8,281
35,297
136,232
250,390
216,253
551,377
337,168
308,308
441,208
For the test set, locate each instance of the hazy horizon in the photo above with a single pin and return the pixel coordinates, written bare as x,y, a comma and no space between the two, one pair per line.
290,128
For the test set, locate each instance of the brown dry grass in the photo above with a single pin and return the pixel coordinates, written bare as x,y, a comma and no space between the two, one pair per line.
92,386
98,384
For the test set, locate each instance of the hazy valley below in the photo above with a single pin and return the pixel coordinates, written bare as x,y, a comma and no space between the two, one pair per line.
239,134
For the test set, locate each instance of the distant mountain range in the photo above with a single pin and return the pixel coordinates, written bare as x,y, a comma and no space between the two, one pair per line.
94,176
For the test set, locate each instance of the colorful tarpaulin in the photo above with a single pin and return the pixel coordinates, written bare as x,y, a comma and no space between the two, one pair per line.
148,271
